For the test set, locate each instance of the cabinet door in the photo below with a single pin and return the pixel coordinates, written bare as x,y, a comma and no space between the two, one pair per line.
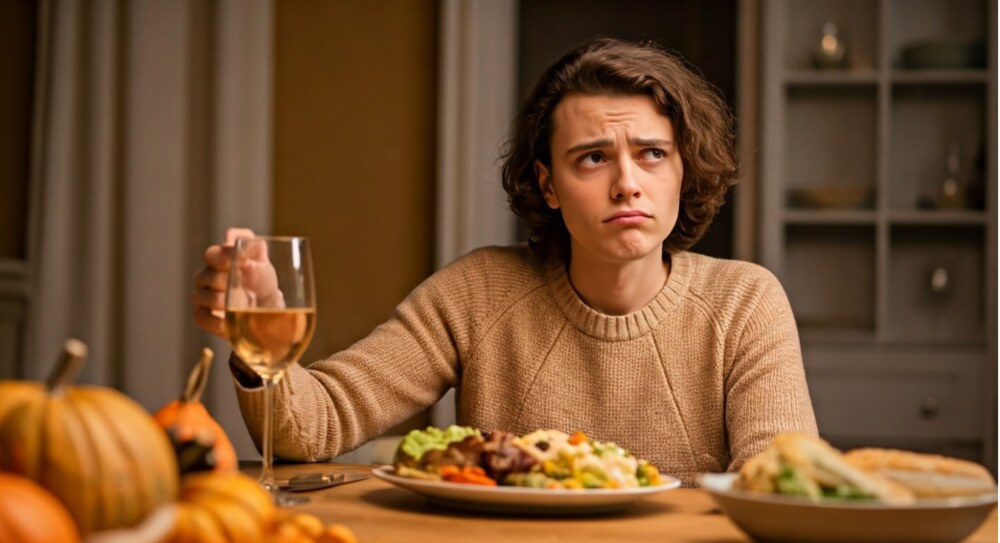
870,397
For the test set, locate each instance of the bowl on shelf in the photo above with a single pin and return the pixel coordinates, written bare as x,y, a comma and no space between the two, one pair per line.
944,53
832,197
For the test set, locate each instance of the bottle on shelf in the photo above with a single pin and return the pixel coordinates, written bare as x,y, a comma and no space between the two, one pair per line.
831,52
951,194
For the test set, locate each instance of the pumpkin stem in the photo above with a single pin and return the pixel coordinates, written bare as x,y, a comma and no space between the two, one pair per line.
199,377
70,360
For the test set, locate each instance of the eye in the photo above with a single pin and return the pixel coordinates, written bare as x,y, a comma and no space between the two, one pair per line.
654,153
592,159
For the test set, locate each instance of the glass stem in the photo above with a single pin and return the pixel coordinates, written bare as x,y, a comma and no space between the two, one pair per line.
267,471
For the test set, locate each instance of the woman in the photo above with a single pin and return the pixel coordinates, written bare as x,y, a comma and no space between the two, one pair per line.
604,323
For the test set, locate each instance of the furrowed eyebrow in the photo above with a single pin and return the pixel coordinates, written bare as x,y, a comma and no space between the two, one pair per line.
650,142
597,144
588,145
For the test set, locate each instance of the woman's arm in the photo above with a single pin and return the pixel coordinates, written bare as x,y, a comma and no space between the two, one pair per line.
337,404
766,390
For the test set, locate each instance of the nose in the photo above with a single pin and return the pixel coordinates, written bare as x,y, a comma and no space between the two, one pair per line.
625,186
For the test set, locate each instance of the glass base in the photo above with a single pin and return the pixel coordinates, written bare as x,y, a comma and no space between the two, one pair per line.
284,499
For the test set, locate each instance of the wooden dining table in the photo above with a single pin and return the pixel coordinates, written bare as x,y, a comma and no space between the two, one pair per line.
378,511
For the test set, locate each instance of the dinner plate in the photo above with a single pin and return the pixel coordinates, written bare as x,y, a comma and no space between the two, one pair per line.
531,501
773,517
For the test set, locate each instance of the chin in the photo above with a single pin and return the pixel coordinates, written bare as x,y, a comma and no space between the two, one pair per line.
628,252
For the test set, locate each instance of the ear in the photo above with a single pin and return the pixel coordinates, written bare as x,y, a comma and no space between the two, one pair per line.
545,184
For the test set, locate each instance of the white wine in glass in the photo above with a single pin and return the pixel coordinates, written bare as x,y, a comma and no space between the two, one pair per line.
270,318
267,339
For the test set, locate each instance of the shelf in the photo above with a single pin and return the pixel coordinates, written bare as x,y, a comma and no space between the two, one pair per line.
815,333
904,217
918,217
939,77
829,216
899,76
821,78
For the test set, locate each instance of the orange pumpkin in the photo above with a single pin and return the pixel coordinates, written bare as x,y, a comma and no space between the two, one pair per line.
95,449
192,428
30,514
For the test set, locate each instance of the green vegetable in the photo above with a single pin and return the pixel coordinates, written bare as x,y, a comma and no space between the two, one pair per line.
846,492
557,469
592,477
418,442
790,482
607,447
646,474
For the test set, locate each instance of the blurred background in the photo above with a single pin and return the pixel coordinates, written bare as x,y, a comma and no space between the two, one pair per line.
135,132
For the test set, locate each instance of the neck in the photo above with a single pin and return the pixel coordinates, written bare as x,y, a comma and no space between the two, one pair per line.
618,288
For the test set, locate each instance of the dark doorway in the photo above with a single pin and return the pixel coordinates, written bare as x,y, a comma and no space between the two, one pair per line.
702,32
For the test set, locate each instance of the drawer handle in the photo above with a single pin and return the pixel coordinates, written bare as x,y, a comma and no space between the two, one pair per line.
929,408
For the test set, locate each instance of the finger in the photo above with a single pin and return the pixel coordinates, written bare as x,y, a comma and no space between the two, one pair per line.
257,251
210,322
232,234
210,279
217,257
212,300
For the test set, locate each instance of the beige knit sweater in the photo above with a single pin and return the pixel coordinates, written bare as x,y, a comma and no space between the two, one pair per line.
697,381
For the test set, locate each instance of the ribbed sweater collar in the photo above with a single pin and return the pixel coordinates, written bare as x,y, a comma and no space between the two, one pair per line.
619,327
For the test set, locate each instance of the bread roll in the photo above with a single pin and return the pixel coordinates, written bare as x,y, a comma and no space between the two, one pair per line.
925,475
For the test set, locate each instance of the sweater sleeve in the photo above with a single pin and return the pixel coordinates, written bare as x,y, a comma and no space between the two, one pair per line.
765,383
337,404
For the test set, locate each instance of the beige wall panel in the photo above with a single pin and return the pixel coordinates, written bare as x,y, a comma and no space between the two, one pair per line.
354,149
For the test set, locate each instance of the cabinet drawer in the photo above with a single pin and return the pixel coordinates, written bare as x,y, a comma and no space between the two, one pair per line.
886,404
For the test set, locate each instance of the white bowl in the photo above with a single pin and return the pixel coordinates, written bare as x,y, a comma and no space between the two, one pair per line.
778,518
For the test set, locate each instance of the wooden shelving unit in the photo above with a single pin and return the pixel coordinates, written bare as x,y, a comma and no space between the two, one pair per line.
894,290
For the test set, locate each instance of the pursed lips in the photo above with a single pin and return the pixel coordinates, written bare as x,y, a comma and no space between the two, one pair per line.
628,217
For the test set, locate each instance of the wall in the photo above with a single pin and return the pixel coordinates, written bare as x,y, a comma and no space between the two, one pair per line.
354,147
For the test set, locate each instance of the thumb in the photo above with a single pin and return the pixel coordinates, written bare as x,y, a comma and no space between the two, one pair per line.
232,234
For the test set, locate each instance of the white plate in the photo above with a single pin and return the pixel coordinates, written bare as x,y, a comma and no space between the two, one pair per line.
774,517
533,501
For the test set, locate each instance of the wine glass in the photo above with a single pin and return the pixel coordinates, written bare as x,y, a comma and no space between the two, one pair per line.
270,320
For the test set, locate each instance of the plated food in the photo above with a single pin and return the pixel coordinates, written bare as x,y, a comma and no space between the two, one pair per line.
802,465
545,459
803,489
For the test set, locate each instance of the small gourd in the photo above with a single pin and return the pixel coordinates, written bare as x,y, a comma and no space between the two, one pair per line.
223,506
199,441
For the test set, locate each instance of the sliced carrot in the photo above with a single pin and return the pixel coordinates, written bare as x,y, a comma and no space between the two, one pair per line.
577,438
472,475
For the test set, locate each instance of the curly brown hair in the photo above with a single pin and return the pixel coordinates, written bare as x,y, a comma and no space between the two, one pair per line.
701,120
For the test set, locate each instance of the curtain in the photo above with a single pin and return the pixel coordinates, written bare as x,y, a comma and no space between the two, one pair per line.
152,134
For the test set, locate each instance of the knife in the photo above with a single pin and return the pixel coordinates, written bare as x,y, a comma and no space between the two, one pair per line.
318,481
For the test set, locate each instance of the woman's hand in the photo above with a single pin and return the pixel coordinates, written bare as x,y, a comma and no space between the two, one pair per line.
209,295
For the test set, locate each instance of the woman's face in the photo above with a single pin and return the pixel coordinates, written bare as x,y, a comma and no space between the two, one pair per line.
615,176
